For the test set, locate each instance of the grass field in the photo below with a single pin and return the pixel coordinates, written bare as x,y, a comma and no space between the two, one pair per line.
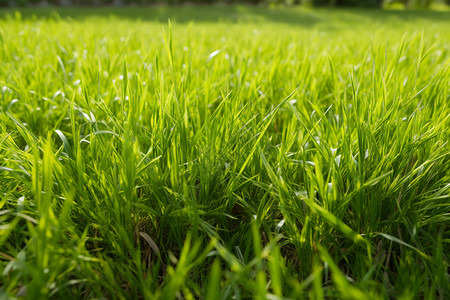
231,153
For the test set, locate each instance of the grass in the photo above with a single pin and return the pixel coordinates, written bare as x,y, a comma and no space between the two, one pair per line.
273,154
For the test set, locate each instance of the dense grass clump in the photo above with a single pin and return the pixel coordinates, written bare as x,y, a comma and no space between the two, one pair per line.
270,154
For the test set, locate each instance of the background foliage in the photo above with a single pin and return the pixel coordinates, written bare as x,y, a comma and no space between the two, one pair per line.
328,3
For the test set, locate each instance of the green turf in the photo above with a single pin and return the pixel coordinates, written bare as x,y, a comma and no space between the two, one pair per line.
234,153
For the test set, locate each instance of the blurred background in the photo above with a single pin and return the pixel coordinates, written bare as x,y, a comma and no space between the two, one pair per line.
390,4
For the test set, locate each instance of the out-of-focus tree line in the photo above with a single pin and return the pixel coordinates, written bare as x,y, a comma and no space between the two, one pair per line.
329,3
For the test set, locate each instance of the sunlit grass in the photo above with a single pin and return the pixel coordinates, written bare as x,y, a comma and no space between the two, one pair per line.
275,153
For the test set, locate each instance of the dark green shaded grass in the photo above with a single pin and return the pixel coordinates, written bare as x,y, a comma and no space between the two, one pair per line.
254,157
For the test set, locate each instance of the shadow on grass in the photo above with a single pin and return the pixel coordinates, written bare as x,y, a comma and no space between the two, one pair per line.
179,14
235,14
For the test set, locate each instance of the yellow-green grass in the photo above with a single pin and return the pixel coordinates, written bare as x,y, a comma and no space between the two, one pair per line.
234,152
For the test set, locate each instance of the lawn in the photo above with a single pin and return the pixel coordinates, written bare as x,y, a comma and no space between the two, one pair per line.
230,153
